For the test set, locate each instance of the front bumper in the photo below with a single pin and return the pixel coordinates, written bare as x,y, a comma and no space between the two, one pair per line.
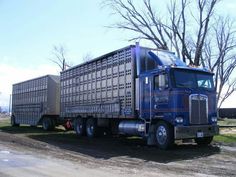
187,132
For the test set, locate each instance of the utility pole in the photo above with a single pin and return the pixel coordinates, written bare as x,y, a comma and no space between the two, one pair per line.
10,105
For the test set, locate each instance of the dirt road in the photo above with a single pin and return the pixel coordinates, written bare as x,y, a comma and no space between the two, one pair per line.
63,154
17,163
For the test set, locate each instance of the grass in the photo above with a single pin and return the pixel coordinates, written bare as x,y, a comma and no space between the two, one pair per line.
225,138
5,126
227,122
4,123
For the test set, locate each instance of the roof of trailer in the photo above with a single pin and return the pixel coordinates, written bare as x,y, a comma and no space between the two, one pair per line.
97,58
40,77
105,55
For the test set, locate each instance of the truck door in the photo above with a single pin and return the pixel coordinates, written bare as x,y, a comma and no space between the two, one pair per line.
160,94
146,97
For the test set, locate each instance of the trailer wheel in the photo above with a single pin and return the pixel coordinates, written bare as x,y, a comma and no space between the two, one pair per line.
13,122
79,126
48,124
53,123
204,141
91,128
164,135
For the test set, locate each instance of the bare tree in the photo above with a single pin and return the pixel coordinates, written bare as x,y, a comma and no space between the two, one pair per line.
220,56
59,54
171,31
188,28
145,23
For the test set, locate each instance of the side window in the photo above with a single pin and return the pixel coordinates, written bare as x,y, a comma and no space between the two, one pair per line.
147,63
161,82
156,82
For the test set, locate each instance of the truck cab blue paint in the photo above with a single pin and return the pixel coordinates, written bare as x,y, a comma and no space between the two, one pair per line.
171,102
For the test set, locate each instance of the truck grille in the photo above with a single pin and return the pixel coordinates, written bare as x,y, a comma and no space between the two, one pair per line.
198,109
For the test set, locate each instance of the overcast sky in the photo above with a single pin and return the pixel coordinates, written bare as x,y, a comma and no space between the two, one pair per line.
30,28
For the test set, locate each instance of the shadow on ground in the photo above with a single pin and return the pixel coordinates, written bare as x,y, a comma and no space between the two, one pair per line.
107,147
27,130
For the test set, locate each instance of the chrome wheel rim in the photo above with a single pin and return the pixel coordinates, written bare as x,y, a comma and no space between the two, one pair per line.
90,129
161,135
79,128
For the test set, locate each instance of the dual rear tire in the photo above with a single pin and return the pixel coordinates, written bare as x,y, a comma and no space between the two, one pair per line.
48,124
86,127
79,126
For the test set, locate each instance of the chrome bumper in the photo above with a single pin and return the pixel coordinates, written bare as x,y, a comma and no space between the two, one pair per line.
187,132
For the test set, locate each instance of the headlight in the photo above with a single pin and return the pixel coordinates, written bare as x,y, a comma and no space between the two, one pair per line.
214,119
179,120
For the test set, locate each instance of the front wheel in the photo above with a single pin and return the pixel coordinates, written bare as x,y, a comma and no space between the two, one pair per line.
164,135
204,141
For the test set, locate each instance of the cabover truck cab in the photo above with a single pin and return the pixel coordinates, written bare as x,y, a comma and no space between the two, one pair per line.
143,92
178,103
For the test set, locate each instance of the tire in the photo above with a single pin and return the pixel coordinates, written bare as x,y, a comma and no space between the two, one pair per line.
204,141
53,123
48,124
79,126
164,135
91,128
13,122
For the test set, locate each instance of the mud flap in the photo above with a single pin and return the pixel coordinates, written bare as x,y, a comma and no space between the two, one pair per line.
151,140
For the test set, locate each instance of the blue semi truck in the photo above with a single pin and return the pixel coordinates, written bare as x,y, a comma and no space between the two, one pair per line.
138,91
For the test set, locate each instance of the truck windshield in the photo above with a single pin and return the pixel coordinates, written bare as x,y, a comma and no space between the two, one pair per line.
192,79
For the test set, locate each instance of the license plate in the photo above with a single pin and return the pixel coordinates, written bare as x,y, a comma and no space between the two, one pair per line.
200,134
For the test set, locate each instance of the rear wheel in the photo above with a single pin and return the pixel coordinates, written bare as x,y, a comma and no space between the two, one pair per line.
79,126
204,141
91,128
48,124
13,122
164,135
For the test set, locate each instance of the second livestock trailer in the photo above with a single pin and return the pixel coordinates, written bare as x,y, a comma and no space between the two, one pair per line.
36,101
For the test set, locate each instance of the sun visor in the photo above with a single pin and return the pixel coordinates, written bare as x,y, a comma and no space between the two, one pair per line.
165,58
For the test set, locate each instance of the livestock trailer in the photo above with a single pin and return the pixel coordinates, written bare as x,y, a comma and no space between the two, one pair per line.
36,101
